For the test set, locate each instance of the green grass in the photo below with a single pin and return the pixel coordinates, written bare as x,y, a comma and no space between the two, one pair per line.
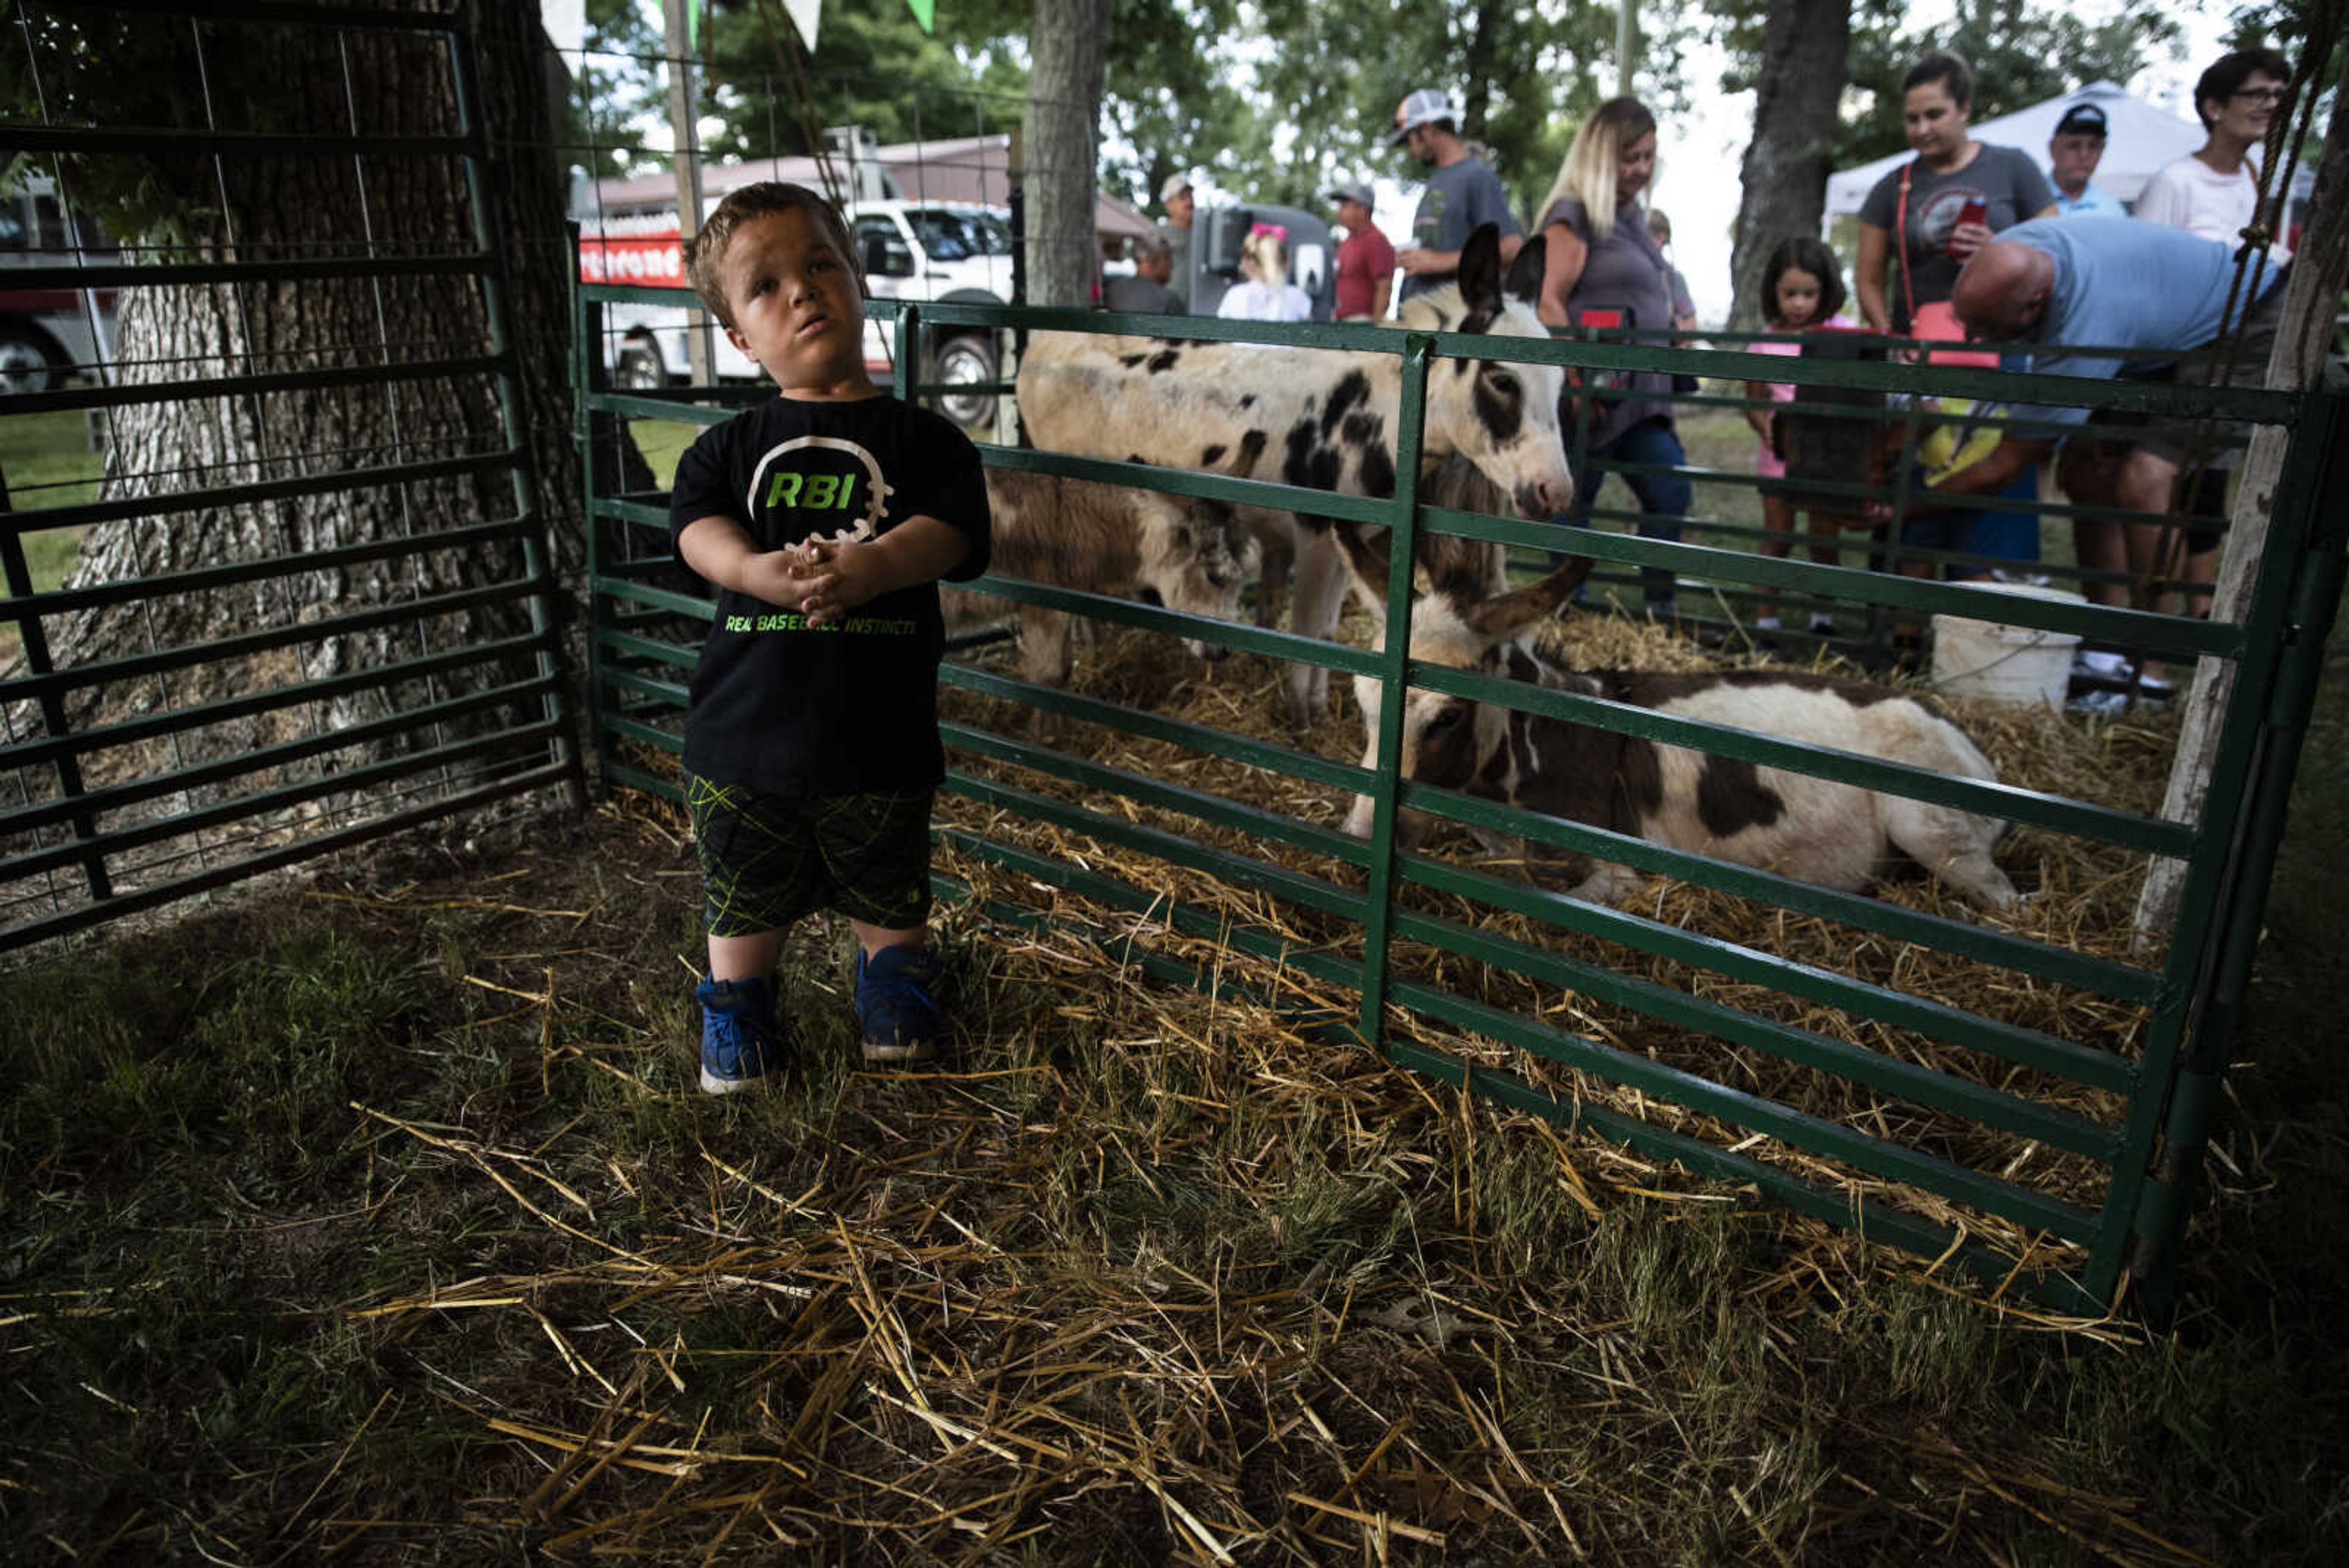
47,460
663,441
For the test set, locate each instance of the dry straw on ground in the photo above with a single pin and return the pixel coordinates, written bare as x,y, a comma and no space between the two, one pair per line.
2083,895
1150,1275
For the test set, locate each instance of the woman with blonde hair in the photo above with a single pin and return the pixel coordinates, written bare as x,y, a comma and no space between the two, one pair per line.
1604,270
1266,294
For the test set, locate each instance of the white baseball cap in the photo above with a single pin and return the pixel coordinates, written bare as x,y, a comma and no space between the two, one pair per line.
1176,183
1422,107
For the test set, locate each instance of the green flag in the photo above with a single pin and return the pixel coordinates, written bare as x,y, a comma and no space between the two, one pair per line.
926,12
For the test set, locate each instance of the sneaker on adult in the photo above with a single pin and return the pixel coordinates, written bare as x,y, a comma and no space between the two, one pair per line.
740,1045
896,1005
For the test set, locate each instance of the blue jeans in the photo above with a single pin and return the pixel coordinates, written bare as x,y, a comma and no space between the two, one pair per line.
2009,536
1663,498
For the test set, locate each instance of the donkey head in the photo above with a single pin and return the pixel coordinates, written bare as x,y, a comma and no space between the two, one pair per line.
1500,415
1457,623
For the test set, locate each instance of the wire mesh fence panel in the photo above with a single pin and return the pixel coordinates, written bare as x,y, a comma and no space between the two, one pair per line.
301,592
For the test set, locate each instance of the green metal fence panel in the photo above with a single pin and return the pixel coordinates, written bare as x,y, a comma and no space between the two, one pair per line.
1943,1151
315,602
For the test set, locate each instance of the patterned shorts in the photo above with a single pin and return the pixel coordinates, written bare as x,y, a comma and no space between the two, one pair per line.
769,860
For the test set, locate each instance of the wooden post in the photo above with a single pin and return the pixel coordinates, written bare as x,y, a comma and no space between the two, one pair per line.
2320,268
686,130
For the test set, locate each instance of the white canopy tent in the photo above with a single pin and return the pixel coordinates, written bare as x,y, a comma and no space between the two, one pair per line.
2138,141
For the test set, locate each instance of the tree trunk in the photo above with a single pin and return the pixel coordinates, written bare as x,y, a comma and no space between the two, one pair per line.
1804,47
309,205
1062,142
1476,102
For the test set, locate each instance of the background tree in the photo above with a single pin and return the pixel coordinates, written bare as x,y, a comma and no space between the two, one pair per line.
1523,77
122,72
872,66
1172,97
2020,55
1797,87
616,91
1063,148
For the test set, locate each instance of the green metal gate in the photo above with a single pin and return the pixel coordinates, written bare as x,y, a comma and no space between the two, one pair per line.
1884,1168
316,605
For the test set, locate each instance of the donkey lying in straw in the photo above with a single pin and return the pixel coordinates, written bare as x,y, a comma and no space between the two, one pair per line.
1191,555
1796,825
1323,419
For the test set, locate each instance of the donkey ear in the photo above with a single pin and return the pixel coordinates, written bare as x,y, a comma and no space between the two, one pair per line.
1503,617
1525,279
1480,270
1366,561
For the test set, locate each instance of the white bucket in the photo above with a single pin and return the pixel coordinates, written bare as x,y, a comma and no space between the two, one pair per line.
2018,664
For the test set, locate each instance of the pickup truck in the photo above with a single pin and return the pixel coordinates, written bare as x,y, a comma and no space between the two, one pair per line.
948,251
47,334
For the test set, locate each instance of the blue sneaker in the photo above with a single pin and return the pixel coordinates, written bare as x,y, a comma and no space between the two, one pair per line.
896,1006
739,1044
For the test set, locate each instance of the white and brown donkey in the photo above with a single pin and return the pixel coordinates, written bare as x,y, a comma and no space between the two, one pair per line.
1324,419
1796,825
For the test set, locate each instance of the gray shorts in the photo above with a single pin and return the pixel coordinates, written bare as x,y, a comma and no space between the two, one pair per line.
2173,437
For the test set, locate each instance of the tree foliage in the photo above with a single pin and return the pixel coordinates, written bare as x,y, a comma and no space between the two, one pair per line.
1523,76
2020,55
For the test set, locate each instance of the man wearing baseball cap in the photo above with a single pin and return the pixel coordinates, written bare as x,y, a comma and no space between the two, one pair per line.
1462,192
2072,156
1175,196
1366,261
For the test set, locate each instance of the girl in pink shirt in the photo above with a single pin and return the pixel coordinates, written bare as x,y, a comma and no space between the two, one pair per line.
1802,290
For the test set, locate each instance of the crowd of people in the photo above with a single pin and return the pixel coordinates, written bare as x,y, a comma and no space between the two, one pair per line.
1958,209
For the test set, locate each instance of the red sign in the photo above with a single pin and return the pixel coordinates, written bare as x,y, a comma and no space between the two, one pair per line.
656,260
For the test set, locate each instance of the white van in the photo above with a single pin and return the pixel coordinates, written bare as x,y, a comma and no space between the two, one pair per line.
45,334
948,250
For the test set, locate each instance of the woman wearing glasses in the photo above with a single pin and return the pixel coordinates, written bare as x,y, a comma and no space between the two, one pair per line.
2215,192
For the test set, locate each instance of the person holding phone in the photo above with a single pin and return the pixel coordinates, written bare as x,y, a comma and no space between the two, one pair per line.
1603,270
1923,220
1917,229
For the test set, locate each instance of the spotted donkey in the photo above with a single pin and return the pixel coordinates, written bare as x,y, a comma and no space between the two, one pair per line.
1320,419
1796,825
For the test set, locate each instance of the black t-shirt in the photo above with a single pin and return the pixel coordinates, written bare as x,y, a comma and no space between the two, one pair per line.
850,708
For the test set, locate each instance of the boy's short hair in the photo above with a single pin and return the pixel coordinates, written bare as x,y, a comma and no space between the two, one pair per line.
2226,76
761,199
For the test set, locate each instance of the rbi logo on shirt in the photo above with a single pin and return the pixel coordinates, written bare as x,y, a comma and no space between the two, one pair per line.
819,487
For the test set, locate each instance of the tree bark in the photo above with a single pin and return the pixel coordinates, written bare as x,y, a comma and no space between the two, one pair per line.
1803,48
1062,141
306,205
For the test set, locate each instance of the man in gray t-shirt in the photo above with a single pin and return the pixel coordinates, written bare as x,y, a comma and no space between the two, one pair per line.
1461,193
1146,291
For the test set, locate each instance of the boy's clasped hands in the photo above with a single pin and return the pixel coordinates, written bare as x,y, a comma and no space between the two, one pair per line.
824,579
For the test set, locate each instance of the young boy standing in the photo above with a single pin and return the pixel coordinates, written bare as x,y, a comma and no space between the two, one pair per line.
824,517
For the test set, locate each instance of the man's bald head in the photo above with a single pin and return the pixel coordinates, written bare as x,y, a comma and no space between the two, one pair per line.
2003,292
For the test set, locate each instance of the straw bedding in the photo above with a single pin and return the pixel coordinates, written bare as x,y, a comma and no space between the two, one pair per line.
2083,899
